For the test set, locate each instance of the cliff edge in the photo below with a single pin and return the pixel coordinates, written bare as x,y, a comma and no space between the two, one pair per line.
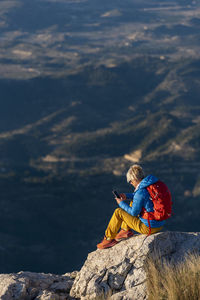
118,272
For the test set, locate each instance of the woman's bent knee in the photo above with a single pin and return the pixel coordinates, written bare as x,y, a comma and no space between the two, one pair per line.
118,211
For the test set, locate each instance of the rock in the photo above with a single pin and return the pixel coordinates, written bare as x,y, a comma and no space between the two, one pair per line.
47,295
28,285
120,271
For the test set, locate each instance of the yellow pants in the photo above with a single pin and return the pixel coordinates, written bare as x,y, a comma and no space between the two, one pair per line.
121,219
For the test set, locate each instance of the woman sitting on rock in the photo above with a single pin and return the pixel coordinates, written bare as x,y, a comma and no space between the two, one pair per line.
140,214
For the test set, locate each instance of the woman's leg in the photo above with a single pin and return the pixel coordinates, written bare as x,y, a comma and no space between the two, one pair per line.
122,219
125,226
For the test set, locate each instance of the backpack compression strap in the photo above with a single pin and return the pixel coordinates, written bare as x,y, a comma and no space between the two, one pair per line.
149,227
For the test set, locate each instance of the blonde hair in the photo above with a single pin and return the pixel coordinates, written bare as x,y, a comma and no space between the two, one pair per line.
135,172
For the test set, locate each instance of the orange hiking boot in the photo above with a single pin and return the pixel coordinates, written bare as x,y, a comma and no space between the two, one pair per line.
106,243
124,234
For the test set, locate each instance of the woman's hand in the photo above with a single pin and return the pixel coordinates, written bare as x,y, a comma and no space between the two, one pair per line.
118,200
122,198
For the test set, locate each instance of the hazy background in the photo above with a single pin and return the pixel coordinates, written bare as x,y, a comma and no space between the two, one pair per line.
87,89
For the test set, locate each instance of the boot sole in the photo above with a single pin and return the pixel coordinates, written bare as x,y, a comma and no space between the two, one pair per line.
108,246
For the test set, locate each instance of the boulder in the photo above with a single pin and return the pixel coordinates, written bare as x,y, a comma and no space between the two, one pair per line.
39,286
120,271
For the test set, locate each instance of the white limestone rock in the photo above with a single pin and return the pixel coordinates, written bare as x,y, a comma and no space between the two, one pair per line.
28,285
120,270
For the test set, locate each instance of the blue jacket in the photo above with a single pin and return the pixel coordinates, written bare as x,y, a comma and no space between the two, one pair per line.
141,199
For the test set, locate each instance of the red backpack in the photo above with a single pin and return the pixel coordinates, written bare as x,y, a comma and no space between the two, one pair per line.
162,202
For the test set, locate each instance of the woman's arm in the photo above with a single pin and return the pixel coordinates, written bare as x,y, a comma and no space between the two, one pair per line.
138,203
129,195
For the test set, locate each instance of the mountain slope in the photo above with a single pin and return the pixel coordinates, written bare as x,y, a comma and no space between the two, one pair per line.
69,141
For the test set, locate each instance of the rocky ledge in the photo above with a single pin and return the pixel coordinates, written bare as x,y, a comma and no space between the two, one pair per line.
118,272
37,286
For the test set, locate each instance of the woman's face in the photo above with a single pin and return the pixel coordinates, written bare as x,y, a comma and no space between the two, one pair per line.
134,183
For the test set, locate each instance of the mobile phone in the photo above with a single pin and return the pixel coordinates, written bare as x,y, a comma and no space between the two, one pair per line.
115,193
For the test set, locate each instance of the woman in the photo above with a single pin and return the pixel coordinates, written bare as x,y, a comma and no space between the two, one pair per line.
129,217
